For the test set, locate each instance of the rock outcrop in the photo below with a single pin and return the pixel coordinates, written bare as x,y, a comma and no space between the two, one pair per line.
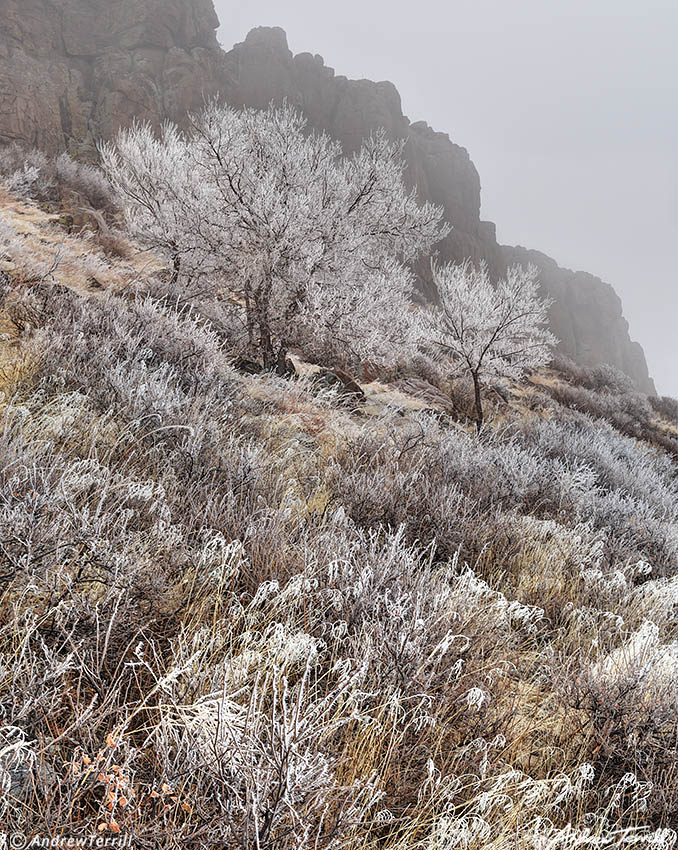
586,317
73,71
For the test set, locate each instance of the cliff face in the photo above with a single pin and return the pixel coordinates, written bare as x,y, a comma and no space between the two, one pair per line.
72,71
586,317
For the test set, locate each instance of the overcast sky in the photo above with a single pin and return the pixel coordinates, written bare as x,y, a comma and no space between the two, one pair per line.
569,109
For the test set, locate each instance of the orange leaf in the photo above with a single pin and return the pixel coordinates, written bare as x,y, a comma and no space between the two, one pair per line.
102,777
123,801
165,788
110,740
87,759
102,827
154,795
114,826
186,808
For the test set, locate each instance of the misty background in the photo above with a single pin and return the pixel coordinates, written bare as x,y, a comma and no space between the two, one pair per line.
568,108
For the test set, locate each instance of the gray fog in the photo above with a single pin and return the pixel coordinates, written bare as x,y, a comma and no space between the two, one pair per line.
569,109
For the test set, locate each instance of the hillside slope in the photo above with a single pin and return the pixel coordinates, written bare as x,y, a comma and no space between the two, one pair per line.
73,71
243,611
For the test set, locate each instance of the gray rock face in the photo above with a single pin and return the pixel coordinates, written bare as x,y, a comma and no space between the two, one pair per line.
73,71
586,317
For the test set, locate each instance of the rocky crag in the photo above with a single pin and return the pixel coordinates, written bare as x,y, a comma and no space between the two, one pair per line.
73,71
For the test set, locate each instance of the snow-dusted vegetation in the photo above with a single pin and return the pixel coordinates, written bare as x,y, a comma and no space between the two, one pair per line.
256,611
491,329
310,243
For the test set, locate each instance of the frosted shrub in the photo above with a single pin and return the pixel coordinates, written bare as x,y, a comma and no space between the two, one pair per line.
644,665
439,481
629,412
142,357
504,470
266,733
24,173
85,180
413,624
17,761
488,329
636,489
629,697
665,406
310,243
618,462
278,785
22,182
33,175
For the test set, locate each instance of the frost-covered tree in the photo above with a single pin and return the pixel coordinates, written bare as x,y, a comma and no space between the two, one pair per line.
312,244
489,330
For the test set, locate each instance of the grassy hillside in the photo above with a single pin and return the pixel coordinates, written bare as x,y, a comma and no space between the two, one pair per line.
246,611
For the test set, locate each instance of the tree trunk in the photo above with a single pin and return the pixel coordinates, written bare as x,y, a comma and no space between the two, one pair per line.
479,401
266,346
281,364
176,265
249,316
262,301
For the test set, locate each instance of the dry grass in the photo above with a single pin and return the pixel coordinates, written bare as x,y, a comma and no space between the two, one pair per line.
42,245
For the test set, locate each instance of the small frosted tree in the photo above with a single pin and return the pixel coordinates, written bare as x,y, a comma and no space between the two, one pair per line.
489,330
311,244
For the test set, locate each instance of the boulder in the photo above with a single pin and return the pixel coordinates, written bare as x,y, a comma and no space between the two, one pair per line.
347,389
